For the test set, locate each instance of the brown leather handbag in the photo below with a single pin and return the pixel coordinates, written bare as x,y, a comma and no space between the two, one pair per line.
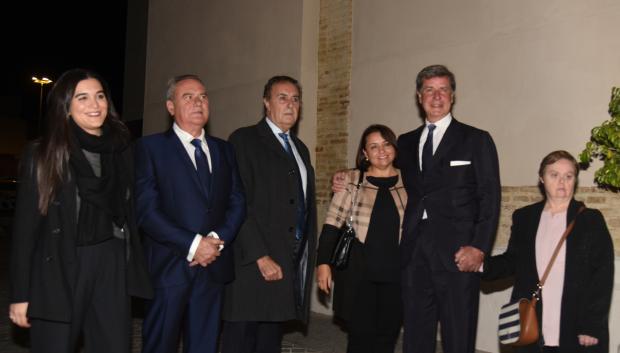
518,323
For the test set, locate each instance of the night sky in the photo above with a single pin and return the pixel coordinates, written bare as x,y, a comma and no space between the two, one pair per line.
47,38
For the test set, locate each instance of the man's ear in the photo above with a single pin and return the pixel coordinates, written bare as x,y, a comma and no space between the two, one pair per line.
170,107
266,103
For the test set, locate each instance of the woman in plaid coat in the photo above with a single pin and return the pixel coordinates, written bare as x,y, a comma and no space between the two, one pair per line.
367,292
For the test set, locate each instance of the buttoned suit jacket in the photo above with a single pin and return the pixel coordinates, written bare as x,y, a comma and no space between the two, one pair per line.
460,193
172,206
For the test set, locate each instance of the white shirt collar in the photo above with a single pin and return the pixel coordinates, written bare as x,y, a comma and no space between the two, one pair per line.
185,136
276,130
442,123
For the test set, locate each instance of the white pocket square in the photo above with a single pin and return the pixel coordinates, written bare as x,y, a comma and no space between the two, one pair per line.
458,163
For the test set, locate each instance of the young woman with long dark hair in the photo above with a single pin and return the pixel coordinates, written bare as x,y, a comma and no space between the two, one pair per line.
76,256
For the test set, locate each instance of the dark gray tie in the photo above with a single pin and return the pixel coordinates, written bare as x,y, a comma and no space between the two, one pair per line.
427,150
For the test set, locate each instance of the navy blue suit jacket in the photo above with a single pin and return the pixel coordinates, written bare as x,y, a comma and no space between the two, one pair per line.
172,206
460,193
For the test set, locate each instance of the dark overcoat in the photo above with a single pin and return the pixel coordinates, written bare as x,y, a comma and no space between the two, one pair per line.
271,187
43,264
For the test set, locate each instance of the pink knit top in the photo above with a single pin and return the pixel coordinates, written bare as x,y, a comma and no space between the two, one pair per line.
550,230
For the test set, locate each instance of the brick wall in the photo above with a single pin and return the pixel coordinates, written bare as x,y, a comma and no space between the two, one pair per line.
334,78
514,197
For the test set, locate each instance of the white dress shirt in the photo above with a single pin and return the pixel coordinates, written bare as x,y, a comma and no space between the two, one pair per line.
186,140
300,163
440,129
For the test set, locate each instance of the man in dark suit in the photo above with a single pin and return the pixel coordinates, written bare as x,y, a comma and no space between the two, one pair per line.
451,174
274,251
190,205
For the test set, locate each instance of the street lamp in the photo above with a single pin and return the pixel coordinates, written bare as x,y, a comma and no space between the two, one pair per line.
43,81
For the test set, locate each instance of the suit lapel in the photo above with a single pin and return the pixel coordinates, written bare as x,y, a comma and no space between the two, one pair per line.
452,135
415,147
214,153
271,141
304,158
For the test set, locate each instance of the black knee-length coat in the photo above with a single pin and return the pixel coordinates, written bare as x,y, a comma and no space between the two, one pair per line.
271,189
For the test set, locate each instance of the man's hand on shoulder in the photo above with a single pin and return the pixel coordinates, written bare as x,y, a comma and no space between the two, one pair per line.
338,181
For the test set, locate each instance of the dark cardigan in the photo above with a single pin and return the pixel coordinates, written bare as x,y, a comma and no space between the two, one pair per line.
589,273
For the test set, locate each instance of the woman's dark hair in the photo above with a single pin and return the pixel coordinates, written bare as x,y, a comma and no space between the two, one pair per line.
552,158
361,162
52,155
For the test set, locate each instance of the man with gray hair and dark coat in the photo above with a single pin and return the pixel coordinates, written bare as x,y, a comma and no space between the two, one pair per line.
275,248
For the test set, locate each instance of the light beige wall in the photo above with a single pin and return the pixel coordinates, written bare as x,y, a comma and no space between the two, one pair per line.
235,46
536,74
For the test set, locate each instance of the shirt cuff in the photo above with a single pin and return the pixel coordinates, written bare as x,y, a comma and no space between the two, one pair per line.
214,235
193,247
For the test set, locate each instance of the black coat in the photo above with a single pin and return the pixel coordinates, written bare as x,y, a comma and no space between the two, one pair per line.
588,276
43,252
271,188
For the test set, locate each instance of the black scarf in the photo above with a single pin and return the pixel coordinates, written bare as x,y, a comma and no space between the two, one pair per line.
102,198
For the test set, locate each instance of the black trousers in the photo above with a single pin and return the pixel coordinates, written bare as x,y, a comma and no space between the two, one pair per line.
432,294
376,318
252,337
101,307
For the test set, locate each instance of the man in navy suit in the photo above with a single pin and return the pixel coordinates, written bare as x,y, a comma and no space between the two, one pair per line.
190,205
451,174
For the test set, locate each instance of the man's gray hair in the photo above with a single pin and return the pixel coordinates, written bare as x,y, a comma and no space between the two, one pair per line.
172,83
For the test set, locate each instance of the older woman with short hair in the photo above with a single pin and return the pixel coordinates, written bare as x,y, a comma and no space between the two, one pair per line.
573,310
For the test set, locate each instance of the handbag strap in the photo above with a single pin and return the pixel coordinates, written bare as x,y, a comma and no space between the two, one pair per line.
570,227
349,218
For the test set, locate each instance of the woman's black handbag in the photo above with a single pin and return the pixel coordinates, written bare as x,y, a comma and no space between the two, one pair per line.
340,257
